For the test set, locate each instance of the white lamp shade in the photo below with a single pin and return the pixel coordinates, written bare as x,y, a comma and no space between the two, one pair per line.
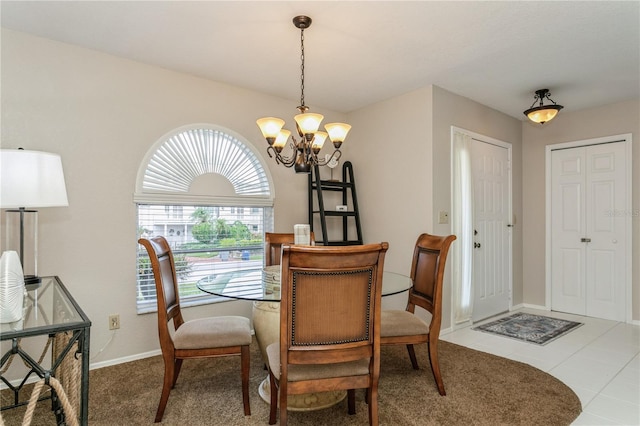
318,140
309,122
337,131
31,179
270,126
282,139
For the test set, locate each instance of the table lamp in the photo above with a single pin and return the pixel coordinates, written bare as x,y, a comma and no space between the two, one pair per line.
28,180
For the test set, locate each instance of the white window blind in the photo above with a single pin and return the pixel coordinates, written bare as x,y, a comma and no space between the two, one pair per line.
213,236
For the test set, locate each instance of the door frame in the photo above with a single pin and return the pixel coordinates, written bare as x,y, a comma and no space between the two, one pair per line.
622,138
509,147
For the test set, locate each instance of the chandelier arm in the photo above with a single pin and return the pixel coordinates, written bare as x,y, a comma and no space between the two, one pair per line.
287,162
334,156
280,159
271,149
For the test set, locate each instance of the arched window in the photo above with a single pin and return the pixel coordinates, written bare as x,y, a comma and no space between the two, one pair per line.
206,190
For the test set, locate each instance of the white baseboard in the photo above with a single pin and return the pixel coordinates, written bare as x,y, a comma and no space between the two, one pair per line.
446,330
530,306
544,308
92,366
129,358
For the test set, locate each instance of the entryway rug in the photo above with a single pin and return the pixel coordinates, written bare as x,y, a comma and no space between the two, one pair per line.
529,328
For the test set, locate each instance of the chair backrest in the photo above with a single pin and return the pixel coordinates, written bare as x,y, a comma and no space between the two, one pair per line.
330,305
427,273
273,242
164,273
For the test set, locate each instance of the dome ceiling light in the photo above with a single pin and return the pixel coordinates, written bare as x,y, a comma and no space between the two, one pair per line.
542,113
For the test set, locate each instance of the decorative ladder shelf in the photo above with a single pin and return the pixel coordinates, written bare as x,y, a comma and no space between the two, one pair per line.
348,188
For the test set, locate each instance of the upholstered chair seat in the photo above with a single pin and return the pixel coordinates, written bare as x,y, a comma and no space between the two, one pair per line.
402,323
212,332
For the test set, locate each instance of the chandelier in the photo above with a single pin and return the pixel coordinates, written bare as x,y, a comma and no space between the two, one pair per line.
303,151
542,113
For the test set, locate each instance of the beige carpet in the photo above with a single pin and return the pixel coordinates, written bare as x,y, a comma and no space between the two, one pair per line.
482,389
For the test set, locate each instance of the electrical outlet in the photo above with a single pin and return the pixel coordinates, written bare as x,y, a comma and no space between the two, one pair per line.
114,322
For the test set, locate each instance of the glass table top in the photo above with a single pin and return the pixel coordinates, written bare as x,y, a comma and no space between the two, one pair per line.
48,307
264,284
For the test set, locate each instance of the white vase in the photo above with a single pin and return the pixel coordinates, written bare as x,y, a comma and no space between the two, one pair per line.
11,287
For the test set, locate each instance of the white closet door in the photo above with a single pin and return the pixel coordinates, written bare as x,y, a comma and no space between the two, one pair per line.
567,230
588,231
605,226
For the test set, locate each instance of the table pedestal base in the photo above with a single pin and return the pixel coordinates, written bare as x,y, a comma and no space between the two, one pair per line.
304,402
266,323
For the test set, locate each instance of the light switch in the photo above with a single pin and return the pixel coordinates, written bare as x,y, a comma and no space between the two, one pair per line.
443,218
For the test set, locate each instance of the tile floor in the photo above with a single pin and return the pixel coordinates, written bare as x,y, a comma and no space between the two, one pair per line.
600,361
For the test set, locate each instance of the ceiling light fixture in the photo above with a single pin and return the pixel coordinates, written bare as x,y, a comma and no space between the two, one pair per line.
542,113
304,152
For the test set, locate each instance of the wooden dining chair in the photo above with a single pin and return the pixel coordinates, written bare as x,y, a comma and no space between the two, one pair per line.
404,327
329,325
198,338
273,242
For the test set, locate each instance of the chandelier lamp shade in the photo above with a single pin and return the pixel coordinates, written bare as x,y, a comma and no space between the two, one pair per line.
28,180
303,150
542,113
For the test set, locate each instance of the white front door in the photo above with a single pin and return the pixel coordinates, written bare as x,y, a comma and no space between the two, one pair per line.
492,232
588,230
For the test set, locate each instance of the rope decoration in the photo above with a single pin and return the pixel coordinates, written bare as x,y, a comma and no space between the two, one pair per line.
70,413
69,372
66,383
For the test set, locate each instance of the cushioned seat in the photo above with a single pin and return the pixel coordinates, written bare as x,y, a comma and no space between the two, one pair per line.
402,323
218,332
298,372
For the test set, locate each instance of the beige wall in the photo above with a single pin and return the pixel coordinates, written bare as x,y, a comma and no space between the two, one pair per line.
102,114
391,152
570,126
390,146
403,156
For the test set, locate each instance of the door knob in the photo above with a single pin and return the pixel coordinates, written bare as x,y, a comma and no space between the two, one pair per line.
476,245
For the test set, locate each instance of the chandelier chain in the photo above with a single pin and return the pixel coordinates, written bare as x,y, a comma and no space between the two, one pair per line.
302,67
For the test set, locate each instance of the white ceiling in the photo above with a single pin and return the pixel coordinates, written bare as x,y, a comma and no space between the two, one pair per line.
358,53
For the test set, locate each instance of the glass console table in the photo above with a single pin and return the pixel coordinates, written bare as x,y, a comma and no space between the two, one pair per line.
50,310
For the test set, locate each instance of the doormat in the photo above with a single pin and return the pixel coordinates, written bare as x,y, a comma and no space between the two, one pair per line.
529,328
